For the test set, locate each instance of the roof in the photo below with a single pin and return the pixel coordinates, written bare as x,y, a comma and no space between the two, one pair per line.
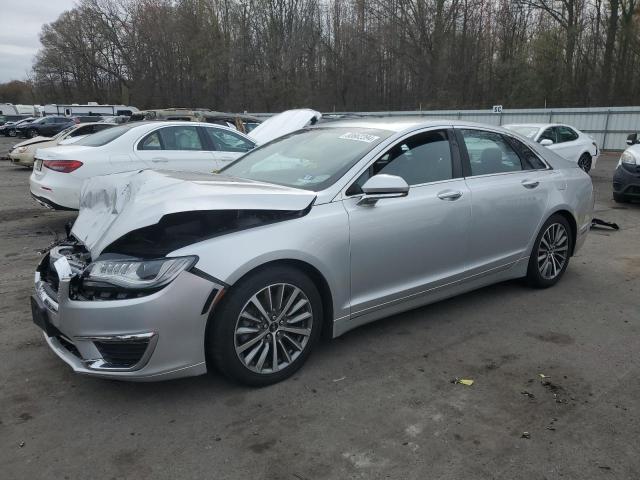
399,124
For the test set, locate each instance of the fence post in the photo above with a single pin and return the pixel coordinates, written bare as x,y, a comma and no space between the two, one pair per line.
606,128
551,116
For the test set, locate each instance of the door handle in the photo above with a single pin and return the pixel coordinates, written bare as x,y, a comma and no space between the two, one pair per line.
530,183
449,195
159,160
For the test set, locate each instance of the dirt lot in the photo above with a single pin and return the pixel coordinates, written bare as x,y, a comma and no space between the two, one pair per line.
375,403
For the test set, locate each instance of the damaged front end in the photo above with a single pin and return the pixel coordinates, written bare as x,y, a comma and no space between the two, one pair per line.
111,294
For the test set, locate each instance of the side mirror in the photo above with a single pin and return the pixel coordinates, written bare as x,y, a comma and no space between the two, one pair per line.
383,186
632,139
546,142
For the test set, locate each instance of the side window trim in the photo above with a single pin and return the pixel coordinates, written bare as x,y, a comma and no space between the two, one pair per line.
516,147
456,162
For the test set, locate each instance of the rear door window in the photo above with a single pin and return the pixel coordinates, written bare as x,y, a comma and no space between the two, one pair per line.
489,153
181,138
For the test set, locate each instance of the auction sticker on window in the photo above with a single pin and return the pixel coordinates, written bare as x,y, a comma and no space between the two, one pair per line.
360,137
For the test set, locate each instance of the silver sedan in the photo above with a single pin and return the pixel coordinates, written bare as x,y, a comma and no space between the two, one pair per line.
168,274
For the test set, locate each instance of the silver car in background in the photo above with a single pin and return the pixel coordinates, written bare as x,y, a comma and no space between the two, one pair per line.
168,274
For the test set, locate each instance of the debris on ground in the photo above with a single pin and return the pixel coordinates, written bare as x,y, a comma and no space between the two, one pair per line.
526,435
462,381
598,223
543,376
339,379
21,444
528,394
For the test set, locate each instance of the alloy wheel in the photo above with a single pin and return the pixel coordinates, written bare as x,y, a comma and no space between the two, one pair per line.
273,328
553,251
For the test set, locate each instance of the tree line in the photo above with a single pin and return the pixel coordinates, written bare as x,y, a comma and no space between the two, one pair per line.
269,55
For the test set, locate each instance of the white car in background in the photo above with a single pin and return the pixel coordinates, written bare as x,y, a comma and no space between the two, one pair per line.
59,172
24,152
568,142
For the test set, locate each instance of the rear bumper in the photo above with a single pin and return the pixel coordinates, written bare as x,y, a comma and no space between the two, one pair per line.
45,202
169,327
50,190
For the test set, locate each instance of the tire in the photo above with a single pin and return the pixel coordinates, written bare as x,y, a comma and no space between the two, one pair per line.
31,133
585,162
620,198
555,243
12,133
246,357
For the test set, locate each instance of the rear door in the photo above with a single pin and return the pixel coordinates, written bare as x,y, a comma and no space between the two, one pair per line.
225,145
178,147
510,195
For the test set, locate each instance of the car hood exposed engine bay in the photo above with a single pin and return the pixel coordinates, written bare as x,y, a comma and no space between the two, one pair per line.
151,213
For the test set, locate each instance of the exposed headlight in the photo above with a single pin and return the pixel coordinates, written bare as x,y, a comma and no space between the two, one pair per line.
628,158
137,274
21,149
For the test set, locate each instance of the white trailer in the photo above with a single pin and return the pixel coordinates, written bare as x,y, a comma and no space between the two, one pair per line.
91,108
17,109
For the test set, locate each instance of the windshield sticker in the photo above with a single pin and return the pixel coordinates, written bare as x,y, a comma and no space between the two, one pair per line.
360,137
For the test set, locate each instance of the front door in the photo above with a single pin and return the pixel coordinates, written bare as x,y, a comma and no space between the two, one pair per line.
402,247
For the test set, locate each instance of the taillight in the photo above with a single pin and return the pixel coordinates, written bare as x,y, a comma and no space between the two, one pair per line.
62,166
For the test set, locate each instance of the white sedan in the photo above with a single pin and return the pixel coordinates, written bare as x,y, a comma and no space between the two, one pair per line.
59,172
568,142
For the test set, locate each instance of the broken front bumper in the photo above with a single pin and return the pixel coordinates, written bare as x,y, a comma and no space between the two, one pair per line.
155,337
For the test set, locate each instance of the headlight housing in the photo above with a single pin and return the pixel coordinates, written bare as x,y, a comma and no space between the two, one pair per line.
136,274
628,158
21,149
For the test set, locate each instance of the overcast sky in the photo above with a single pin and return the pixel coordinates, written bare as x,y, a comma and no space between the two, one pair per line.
20,24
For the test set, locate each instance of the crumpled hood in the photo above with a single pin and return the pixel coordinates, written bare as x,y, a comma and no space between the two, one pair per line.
113,205
283,123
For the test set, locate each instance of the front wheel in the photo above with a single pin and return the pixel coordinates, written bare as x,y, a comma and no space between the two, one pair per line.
266,326
31,133
550,255
584,162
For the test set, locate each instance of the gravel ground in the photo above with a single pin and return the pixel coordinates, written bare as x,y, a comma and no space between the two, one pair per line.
375,403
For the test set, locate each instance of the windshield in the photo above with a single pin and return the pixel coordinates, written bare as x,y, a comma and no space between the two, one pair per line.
524,130
103,137
311,159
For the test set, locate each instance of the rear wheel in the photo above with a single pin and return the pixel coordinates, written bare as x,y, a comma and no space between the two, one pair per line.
550,255
12,133
266,326
584,162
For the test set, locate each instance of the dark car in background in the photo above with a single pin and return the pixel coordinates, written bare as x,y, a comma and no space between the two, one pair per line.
9,128
45,126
